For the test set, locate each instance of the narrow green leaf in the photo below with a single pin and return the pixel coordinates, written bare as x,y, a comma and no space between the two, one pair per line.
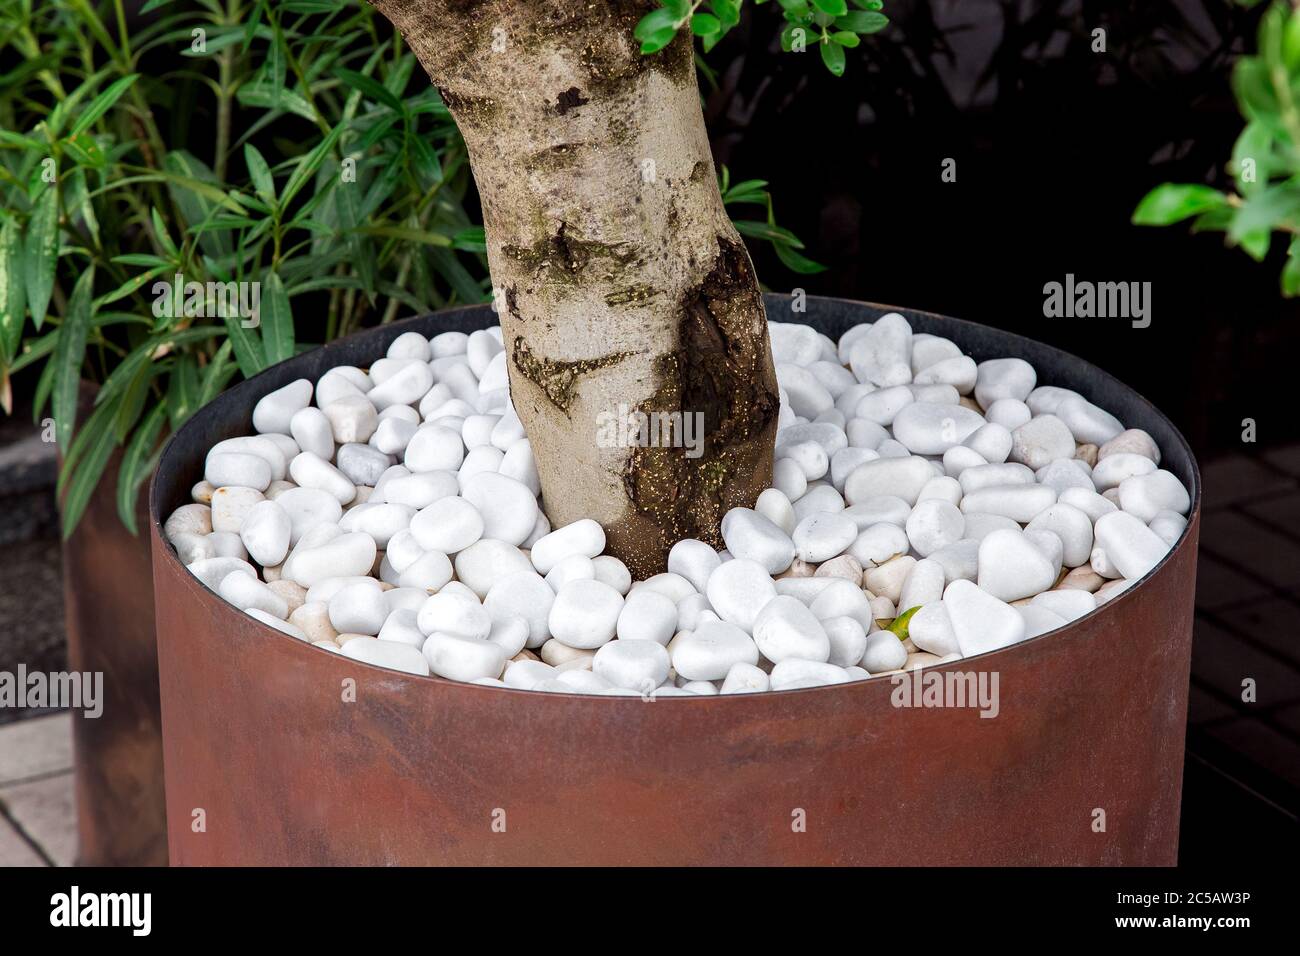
277,320
13,291
136,463
260,173
247,345
102,103
41,253
69,354
898,626
82,473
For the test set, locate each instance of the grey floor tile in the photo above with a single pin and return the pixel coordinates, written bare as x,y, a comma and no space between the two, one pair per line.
45,810
1219,584
1253,547
1262,745
1222,661
34,747
1287,459
14,850
1239,478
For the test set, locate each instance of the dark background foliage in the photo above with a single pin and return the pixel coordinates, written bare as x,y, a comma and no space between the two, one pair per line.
1054,145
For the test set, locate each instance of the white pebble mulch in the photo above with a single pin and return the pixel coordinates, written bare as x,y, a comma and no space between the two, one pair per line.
391,515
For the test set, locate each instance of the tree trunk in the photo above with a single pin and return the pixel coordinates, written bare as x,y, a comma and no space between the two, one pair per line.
621,284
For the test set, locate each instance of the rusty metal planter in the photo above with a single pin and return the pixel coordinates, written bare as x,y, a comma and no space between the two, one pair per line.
259,737
109,614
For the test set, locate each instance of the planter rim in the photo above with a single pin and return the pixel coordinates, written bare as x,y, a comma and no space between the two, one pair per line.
1021,342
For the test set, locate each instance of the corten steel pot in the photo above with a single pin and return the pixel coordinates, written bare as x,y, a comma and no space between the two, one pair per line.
269,761
109,620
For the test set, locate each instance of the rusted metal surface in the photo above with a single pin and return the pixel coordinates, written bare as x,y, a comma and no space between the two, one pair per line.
288,754
108,600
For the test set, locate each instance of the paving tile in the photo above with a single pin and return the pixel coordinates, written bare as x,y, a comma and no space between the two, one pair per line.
1281,511
1253,547
14,850
1219,584
1223,660
1239,478
1287,459
45,810
1288,718
1262,745
1272,621
37,746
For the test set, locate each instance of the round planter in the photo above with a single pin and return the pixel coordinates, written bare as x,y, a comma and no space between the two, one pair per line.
109,616
277,752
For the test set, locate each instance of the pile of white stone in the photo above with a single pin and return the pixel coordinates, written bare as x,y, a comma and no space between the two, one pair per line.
391,515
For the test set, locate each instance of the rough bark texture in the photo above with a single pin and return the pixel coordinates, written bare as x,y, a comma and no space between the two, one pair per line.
621,281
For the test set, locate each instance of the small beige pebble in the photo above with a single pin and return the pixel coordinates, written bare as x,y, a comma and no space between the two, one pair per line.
314,620
1086,453
189,519
295,595
967,402
1082,579
1113,589
574,664
277,488
799,568
921,659
555,653
272,574
882,609
525,655
202,492
845,566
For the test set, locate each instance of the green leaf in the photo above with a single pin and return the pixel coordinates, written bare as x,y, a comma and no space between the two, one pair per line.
42,252
68,356
833,8
308,165
13,291
470,240
84,465
795,261
898,626
247,345
136,464
1173,202
705,24
845,39
860,21
833,57
371,88
102,103
260,173
1291,271
276,320
1252,157
654,24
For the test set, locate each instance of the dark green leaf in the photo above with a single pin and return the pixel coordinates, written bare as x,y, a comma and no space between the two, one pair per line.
260,173
102,103
13,290
136,464
41,253
69,354
277,320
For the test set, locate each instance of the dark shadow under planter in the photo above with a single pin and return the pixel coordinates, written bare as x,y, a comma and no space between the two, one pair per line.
108,597
289,754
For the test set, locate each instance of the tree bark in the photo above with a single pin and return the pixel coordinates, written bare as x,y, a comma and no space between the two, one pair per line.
621,284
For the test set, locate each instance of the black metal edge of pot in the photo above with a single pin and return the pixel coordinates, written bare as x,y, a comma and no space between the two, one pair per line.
230,414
